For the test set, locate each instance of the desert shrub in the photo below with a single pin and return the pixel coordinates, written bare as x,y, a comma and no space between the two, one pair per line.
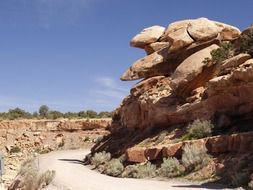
114,168
199,129
140,171
170,167
30,177
15,149
246,42
100,158
222,53
161,136
194,157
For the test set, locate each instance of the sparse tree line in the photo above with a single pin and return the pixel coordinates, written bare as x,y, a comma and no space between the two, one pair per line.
45,113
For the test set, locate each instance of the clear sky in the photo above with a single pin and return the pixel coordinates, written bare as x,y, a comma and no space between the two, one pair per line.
70,54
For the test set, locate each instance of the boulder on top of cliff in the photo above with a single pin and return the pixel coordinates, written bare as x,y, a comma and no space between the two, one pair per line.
147,36
151,65
191,66
202,29
185,32
163,62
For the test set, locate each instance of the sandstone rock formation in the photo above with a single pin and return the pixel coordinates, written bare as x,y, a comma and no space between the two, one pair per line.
236,143
162,46
147,36
179,86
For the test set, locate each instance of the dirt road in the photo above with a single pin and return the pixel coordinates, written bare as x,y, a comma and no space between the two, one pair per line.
71,174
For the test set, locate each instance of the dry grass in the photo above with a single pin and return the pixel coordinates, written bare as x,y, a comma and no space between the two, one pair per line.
29,177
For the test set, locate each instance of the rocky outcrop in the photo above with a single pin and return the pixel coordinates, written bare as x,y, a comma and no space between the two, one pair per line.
179,85
236,143
147,36
164,46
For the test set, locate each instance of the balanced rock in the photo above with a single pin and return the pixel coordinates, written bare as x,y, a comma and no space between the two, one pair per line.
147,36
202,29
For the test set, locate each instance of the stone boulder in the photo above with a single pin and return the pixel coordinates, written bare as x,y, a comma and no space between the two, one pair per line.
202,29
147,36
162,62
191,66
151,65
157,46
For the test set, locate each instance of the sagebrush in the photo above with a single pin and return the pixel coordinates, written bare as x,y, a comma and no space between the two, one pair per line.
199,129
114,167
100,158
170,167
140,171
194,157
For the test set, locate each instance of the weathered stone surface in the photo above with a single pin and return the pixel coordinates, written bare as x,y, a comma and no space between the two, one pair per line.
173,27
162,62
233,62
202,29
179,39
151,65
136,155
228,32
147,36
218,144
157,46
172,150
235,143
147,84
191,66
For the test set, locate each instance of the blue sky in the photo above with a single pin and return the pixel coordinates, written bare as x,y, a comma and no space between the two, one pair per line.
69,54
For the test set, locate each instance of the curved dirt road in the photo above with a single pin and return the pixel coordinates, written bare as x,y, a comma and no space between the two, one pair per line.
71,174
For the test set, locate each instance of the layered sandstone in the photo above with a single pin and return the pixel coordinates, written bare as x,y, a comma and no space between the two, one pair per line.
178,86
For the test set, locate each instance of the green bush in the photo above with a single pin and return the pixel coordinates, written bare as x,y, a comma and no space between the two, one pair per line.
246,42
100,158
194,157
140,171
222,53
199,129
114,168
171,167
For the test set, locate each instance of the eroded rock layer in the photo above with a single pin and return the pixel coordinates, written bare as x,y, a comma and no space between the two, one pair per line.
178,84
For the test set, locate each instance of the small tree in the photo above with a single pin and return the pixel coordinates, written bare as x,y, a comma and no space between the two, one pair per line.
43,111
82,114
91,114
222,53
246,42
